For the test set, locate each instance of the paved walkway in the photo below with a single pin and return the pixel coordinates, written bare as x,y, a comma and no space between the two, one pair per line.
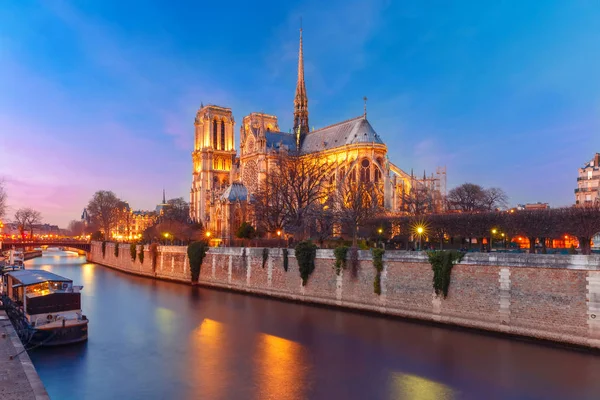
18,377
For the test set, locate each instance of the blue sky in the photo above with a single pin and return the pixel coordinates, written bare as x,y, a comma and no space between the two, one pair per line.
102,94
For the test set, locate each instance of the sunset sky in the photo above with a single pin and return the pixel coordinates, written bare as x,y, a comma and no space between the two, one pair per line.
102,94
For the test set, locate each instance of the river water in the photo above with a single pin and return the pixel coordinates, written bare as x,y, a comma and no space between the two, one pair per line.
160,340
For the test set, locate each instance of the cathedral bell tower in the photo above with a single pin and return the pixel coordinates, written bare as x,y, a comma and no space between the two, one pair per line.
212,160
300,101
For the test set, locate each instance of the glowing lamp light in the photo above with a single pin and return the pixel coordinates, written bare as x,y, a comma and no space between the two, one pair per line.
494,231
278,233
566,237
420,230
380,231
207,234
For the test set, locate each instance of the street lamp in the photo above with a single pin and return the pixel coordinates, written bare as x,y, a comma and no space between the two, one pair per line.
420,232
207,234
494,231
379,231
279,237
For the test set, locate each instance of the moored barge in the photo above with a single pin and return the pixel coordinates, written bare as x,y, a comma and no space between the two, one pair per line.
44,307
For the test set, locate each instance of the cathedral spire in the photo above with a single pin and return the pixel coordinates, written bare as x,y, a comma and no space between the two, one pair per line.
301,100
164,199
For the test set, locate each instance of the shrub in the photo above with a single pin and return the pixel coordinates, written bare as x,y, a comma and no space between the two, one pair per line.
141,255
306,251
341,253
117,250
103,248
378,264
154,253
265,256
196,252
245,231
285,259
133,251
441,264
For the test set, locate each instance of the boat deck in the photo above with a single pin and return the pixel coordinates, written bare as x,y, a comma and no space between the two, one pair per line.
18,377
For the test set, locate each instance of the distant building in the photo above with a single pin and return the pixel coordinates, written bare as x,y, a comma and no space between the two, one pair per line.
160,208
533,206
588,182
85,217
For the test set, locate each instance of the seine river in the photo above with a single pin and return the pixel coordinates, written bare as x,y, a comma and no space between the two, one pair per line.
161,340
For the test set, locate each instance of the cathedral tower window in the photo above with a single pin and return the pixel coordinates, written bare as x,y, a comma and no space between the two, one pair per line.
214,143
223,135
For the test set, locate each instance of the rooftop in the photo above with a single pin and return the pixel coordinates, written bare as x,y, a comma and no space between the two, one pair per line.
33,276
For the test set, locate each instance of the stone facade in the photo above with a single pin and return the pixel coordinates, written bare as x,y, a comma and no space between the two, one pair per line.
588,182
551,297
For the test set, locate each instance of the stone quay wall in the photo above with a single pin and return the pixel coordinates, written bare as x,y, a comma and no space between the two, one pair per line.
550,297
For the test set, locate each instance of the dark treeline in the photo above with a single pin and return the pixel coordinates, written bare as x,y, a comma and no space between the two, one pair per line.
580,222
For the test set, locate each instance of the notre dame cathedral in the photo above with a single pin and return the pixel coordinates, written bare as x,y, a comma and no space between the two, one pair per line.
223,181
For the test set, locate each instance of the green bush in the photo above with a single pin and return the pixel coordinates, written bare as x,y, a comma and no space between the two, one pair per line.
265,256
378,264
285,259
133,251
196,252
117,250
341,253
441,263
154,254
141,255
354,262
245,231
103,248
306,251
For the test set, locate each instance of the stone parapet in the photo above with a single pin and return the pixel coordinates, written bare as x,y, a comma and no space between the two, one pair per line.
551,297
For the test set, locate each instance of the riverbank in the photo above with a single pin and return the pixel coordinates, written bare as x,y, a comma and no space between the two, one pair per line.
548,297
18,377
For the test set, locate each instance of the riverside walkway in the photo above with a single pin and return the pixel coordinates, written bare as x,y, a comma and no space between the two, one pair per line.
18,377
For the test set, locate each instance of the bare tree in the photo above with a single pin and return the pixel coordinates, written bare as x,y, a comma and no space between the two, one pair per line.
270,205
470,197
583,222
76,228
177,210
418,200
297,184
356,203
3,199
26,218
104,209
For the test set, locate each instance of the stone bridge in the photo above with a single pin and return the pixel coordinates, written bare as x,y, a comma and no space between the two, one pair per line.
72,244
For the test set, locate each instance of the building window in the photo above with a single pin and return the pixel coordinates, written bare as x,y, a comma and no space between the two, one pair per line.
222,135
365,171
214,144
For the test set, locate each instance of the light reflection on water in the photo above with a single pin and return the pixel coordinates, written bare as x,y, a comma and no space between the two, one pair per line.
161,340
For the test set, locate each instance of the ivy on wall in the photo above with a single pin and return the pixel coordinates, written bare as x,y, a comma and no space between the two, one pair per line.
196,252
141,255
441,263
133,251
340,253
306,251
265,255
378,264
103,248
285,259
354,263
154,254
117,250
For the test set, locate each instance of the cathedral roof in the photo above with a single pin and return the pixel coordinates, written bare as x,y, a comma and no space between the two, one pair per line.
352,131
276,139
235,192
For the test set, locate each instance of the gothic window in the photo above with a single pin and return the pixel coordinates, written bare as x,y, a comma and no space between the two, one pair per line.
218,217
214,143
223,135
237,219
250,176
377,174
352,175
365,171
342,173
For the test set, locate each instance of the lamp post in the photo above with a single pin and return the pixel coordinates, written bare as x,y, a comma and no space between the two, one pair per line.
494,231
420,232
166,237
379,231
278,237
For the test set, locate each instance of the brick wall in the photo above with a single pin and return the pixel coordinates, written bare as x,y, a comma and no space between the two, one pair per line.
553,297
